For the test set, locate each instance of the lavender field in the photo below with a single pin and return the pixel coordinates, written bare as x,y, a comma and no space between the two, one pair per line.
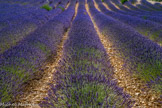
80,54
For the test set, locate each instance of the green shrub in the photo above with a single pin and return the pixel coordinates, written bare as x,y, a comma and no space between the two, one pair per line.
47,7
149,72
145,17
102,0
123,1
61,8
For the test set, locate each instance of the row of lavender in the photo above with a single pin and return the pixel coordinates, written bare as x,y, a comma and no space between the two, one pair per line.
18,64
84,78
156,6
54,3
147,5
128,8
21,25
148,28
144,56
130,5
25,2
134,11
9,11
14,13
141,6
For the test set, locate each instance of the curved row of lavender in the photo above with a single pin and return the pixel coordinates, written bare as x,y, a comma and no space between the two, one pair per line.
144,55
148,4
158,5
150,29
84,79
25,2
140,6
132,9
54,3
139,13
60,7
130,5
12,12
153,11
28,23
151,17
18,65
117,3
16,10
62,4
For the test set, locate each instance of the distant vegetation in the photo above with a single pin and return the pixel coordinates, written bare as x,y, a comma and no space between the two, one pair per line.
123,1
47,7
61,8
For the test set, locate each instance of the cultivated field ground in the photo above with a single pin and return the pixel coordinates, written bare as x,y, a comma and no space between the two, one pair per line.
80,54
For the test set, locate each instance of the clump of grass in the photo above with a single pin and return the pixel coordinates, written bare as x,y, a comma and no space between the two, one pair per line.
61,8
42,47
145,17
5,94
123,1
25,3
155,35
150,73
14,75
47,7
83,97
86,91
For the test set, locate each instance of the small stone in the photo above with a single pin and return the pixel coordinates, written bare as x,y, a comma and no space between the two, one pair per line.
137,94
152,98
149,104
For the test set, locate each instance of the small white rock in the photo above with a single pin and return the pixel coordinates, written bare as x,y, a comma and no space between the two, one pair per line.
137,94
